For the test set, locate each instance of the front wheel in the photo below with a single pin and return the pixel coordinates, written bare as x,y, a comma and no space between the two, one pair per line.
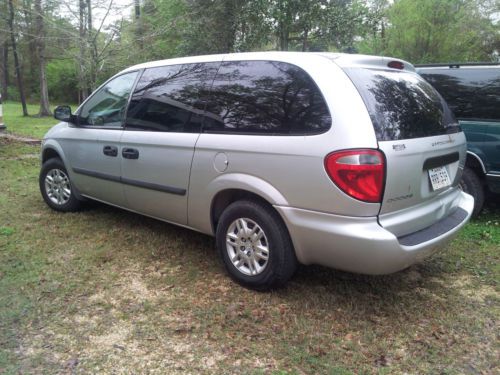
56,188
255,245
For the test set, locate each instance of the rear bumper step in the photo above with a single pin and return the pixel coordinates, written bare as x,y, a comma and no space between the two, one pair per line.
437,229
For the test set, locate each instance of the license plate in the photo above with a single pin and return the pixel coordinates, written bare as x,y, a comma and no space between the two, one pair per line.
439,178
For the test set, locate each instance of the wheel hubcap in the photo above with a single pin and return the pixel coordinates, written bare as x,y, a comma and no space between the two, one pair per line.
57,186
247,246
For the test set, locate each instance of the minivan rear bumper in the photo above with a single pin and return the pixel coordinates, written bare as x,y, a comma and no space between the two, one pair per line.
361,245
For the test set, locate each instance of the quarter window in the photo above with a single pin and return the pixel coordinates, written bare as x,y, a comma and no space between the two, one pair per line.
168,98
265,97
106,107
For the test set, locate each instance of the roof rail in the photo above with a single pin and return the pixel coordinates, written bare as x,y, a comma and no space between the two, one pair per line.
455,65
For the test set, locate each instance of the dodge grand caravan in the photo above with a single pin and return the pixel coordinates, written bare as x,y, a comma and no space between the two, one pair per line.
347,161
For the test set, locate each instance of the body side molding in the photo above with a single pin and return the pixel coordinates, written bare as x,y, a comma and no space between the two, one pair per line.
128,181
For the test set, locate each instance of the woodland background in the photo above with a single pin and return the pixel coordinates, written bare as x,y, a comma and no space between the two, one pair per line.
60,50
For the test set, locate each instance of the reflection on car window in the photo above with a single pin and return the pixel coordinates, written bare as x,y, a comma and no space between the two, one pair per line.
107,106
265,97
471,93
168,98
402,105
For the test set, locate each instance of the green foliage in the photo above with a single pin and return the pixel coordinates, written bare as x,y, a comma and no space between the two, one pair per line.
164,28
62,80
418,31
435,31
32,127
172,28
6,231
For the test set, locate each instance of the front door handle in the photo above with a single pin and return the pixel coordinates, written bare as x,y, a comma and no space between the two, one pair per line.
130,153
110,150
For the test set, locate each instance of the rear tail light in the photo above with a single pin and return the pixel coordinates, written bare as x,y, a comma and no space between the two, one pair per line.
358,173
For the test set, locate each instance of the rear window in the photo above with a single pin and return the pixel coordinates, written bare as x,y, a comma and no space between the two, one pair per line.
402,105
471,93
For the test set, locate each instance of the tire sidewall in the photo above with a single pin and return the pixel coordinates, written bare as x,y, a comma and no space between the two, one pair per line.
275,241
471,184
73,203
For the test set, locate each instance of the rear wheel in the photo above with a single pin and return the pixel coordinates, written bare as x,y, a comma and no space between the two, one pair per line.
255,246
56,188
472,185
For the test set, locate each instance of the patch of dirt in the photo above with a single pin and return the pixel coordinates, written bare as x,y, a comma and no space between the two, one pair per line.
114,336
479,293
102,337
23,157
17,138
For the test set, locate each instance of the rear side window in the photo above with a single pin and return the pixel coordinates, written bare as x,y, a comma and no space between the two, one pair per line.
168,98
471,93
265,97
402,105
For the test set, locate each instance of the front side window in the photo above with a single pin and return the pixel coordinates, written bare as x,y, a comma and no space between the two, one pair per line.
106,107
265,97
169,98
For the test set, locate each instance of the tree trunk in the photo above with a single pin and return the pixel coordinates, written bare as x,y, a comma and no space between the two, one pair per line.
92,44
29,37
82,82
285,36
305,41
138,24
382,36
16,59
40,32
284,25
4,79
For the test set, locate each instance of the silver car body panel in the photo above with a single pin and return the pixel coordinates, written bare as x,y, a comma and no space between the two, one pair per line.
178,175
287,164
83,155
164,164
272,167
359,244
409,203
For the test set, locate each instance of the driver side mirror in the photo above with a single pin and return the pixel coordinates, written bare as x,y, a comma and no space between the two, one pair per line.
63,113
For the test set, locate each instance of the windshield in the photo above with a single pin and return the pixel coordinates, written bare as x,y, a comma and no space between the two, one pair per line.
402,105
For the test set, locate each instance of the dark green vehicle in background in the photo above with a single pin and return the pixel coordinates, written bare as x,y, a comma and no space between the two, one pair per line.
473,94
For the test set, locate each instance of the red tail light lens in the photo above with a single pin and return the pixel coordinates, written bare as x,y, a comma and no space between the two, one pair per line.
358,173
396,64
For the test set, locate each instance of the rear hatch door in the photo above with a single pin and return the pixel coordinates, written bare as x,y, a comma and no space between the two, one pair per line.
422,143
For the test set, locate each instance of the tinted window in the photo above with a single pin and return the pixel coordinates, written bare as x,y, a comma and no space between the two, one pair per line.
106,107
265,97
168,98
470,92
402,105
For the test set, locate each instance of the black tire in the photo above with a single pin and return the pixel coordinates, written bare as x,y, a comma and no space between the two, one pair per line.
69,203
281,263
472,185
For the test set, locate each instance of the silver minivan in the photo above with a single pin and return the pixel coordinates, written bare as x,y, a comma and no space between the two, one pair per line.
346,161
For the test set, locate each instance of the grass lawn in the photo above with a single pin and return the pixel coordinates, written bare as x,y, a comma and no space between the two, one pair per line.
107,291
30,126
